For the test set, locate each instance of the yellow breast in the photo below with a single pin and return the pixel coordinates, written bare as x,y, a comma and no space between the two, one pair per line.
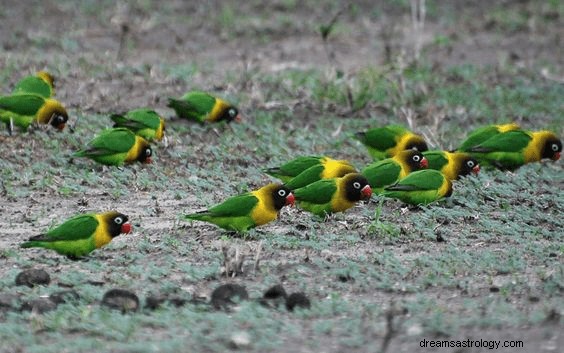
49,108
135,150
264,212
218,109
102,235
533,151
336,168
339,202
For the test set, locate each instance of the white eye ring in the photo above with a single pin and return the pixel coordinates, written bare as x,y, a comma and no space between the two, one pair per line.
118,220
282,192
232,112
554,147
416,158
148,152
470,164
356,185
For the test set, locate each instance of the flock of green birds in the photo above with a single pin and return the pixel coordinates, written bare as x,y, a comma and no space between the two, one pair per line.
403,167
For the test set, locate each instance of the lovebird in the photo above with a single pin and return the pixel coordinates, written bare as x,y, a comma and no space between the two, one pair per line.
329,168
420,188
388,171
452,164
482,134
143,122
293,168
387,141
203,107
327,196
82,234
512,149
42,84
117,146
243,212
26,108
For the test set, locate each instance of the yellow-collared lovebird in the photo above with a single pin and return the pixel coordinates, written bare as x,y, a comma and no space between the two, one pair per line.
143,122
26,108
484,133
452,164
420,188
387,171
243,212
387,141
203,107
82,234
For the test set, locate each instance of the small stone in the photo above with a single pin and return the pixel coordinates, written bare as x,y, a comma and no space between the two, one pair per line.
33,277
414,330
121,299
240,339
40,305
223,296
297,300
64,296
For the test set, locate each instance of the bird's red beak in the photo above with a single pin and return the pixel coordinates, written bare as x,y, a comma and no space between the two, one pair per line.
238,118
366,192
61,127
424,163
556,156
476,169
126,228
148,160
290,199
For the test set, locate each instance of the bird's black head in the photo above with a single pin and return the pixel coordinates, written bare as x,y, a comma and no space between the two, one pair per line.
356,187
145,153
468,165
282,196
229,114
415,160
417,143
552,148
58,120
117,224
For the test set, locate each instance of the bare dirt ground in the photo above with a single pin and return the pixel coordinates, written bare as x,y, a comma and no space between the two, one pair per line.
116,56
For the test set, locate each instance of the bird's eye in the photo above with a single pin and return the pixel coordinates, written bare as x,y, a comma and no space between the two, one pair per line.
118,220
554,147
470,164
148,152
416,158
282,192
232,113
356,185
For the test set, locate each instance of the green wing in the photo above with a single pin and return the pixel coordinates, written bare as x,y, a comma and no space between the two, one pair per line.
236,206
77,228
293,167
382,173
382,138
137,119
22,104
511,141
436,159
427,179
319,192
23,121
308,176
35,85
193,105
111,141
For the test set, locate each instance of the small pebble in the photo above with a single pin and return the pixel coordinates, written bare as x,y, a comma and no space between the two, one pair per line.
223,296
33,277
297,300
121,299
240,339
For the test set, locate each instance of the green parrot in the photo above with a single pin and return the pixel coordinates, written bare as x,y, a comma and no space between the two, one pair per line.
328,196
42,84
82,234
512,149
387,141
143,122
452,164
482,134
26,108
388,171
243,212
293,168
117,146
203,107
420,188
329,168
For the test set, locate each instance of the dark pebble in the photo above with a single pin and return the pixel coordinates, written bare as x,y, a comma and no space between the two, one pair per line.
152,302
121,299
494,289
297,300
64,296
345,277
223,296
32,277
40,305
